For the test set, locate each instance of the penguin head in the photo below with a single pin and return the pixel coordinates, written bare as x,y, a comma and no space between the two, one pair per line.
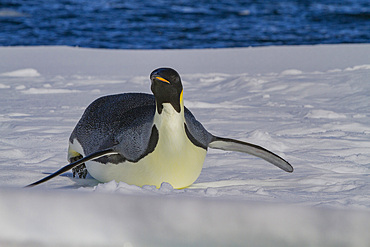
167,88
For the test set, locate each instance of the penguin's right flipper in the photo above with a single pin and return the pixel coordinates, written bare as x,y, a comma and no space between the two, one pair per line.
245,147
92,156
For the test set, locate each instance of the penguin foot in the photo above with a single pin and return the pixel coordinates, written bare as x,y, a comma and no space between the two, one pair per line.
79,170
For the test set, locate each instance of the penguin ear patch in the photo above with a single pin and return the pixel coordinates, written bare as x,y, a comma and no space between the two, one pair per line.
162,79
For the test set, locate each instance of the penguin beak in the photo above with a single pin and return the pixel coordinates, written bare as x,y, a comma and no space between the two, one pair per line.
162,79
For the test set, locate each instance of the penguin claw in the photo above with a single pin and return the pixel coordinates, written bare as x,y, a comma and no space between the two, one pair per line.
79,170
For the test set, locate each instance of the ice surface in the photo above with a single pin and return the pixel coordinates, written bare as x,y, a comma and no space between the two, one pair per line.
309,104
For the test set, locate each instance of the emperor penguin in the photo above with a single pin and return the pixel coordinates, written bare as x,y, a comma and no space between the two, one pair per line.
145,139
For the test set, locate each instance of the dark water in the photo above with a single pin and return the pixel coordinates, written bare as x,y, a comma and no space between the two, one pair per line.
150,24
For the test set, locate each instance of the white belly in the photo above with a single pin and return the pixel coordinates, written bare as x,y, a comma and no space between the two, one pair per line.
180,168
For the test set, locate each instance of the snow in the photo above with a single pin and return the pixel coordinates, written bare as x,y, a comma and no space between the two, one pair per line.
324,114
308,104
22,73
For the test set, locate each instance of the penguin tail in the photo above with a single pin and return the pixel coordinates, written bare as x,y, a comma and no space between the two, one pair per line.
245,147
92,156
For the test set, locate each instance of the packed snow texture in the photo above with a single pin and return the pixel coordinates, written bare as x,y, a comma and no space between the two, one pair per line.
308,104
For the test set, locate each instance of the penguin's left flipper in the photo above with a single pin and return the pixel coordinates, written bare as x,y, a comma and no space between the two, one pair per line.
92,156
245,147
